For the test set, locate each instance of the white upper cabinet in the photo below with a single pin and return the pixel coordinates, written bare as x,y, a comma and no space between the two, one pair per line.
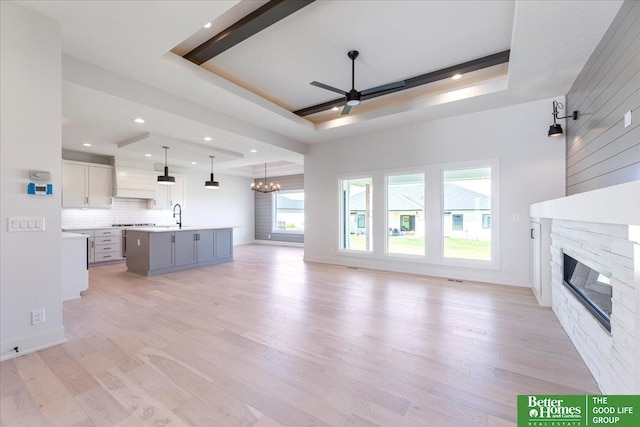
86,185
168,195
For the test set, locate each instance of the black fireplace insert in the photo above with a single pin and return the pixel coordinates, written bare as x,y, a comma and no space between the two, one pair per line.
591,287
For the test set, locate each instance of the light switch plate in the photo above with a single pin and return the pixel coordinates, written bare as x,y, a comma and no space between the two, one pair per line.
25,224
627,119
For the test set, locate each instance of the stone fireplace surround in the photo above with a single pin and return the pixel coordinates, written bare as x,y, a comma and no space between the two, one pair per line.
603,228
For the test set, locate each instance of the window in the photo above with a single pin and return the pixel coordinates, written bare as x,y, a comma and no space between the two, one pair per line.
288,212
356,214
405,214
467,213
457,223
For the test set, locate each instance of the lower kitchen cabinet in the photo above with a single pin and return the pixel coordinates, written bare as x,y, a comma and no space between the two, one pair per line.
224,243
105,244
205,250
184,247
158,245
163,251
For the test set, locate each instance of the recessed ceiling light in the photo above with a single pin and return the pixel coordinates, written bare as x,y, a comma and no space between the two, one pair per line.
207,138
86,144
456,77
138,120
254,151
194,163
147,155
335,109
207,25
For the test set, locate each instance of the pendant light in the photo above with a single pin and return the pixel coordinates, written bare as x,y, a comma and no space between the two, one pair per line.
211,184
166,179
264,188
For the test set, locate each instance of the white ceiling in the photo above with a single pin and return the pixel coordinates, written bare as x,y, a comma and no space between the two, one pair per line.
396,40
118,65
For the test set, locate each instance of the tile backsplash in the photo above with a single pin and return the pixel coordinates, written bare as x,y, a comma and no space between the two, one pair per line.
124,211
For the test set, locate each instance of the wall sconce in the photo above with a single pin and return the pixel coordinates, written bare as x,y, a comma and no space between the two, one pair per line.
555,129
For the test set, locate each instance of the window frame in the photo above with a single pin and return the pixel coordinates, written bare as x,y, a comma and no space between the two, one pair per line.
341,220
494,262
274,217
398,172
433,215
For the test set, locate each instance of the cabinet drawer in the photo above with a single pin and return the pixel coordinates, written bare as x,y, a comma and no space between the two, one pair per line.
107,256
101,249
109,232
107,240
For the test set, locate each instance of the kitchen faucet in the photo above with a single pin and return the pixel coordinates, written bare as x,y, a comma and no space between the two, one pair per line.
179,222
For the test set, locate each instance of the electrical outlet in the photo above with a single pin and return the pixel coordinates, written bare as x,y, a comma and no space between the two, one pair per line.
627,119
37,317
505,266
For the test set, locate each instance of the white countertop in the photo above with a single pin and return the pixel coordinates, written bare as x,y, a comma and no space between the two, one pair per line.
160,229
67,235
104,227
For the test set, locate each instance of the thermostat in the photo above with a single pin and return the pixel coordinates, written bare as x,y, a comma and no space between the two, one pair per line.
40,189
40,175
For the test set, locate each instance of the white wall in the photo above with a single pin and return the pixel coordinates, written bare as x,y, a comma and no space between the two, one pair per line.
532,169
30,112
230,205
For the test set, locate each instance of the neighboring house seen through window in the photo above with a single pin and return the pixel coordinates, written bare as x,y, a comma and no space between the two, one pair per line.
356,214
467,213
486,221
457,222
405,214
288,212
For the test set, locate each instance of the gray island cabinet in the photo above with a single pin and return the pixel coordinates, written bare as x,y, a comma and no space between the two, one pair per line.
156,251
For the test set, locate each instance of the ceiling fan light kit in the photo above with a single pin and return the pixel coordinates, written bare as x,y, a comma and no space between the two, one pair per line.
353,97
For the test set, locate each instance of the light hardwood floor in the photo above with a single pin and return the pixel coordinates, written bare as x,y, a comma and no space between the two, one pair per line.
269,340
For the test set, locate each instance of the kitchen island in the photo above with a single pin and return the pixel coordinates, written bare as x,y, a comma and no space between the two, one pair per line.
156,250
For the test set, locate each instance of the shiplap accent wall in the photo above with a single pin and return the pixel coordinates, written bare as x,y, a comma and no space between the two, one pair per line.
600,151
264,210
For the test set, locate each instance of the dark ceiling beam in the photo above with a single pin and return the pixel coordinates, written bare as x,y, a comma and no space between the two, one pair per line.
256,21
423,79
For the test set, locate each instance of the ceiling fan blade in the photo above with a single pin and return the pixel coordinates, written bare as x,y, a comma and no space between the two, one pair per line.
327,87
345,110
383,88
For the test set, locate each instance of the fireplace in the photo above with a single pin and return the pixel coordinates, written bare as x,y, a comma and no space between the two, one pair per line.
591,286
600,229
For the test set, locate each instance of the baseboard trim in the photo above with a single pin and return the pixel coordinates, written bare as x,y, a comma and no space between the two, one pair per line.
279,243
444,272
32,343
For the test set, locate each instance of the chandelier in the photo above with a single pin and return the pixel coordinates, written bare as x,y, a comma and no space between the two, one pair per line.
263,187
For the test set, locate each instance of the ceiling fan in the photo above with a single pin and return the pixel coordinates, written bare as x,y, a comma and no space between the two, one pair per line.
353,97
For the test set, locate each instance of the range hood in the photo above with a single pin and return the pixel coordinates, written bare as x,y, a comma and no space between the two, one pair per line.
134,183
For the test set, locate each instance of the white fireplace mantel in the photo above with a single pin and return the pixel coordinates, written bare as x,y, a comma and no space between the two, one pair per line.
618,204
603,226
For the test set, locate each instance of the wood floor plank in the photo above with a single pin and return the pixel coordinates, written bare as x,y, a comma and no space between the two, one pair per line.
74,377
102,407
56,404
269,341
